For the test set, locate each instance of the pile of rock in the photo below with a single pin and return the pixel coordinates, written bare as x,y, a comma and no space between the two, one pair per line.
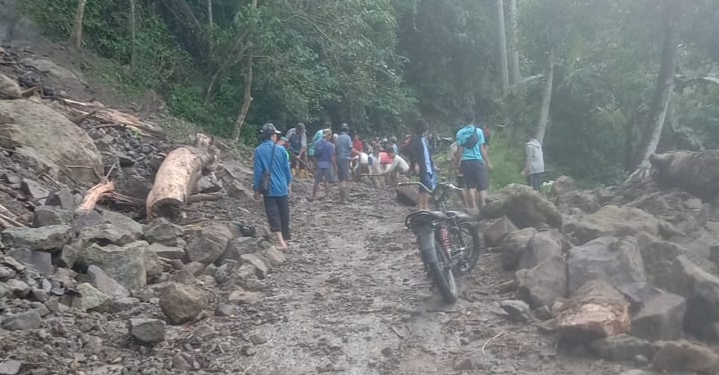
629,279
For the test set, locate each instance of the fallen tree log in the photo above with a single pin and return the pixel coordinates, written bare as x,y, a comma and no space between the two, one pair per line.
696,173
176,179
94,195
81,111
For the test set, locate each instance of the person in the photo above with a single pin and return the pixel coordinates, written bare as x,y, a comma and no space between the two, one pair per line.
343,153
357,144
393,144
326,163
359,165
297,140
472,162
375,168
422,163
272,160
311,148
534,166
398,165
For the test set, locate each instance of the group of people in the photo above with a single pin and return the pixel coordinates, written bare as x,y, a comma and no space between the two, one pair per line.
338,157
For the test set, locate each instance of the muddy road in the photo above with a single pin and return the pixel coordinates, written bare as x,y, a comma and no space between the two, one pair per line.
355,300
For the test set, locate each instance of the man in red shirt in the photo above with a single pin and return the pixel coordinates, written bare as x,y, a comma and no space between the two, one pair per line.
357,144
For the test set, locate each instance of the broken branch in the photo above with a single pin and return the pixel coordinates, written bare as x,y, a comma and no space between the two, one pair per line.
94,195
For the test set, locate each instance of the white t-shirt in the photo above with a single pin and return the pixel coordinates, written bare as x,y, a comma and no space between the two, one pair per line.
400,163
535,157
375,167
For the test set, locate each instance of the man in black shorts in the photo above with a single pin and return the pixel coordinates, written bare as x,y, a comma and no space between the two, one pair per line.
344,152
474,164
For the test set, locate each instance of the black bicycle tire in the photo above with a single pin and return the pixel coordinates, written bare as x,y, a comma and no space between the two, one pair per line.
477,246
447,288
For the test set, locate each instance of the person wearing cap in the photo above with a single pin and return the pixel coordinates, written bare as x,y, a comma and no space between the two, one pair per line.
326,163
297,141
272,160
344,153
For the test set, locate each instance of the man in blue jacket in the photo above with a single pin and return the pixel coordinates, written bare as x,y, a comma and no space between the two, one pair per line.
272,165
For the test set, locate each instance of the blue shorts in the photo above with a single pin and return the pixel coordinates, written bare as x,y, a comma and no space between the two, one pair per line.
428,181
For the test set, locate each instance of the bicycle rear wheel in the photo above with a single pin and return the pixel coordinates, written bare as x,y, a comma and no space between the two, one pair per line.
467,238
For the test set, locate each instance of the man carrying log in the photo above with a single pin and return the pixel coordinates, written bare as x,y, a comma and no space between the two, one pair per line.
272,181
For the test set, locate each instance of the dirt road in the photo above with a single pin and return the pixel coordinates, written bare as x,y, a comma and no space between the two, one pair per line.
355,300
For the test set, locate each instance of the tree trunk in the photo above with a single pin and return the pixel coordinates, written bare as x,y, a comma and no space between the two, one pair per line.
178,174
662,92
502,47
211,42
546,99
246,102
77,27
133,30
514,42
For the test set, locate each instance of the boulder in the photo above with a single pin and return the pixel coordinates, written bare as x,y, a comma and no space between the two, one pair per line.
123,223
208,244
496,230
11,366
49,141
50,238
22,321
261,268
701,290
621,347
17,288
659,258
6,273
685,356
51,215
147,331
586,201
542,246
612,221
238,247
153,266
124,264
92,299
162,231
614,260
523,206
514,246
69,255
9,89
105,284
518,311
181,303
273,256
683,210
543,284
167,252
694,172
63,198
40,261
33,190
661,318
594,311
105,234
562,185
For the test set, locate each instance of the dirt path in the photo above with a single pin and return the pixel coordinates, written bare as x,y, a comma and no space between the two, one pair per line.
356,301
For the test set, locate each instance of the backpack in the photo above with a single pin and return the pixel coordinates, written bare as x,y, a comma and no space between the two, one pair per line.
472,140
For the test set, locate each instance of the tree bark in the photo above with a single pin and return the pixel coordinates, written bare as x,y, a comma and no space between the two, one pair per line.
245,102
502,47
133,30
546,99
94,195
210,25
662,92
77,27
176,179
513,42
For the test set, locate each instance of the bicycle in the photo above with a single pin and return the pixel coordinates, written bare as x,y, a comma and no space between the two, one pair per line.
442,246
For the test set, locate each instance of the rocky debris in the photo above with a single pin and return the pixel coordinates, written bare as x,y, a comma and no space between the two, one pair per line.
543,284
208,244
702,292
49,238
106,234
685,356
6,273
594,311
685,211
542,246
261,269
17,288
612,221
523,206
22,321
621,347
9,89
124,264
63,198
514,246
238,247
167,252
615,260
105,284
586,201
123,304
496,230
51,215
47,140
10,367
243,297
659,259
92,299
162,231
694,172
39,261
181,303
562,185
34,190
661,318
518,311
273,256
224,310
147,331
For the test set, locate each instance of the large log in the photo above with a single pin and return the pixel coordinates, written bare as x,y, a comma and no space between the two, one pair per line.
176,179
694,172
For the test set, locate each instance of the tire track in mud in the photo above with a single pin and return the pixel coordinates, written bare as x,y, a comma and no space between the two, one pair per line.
356,300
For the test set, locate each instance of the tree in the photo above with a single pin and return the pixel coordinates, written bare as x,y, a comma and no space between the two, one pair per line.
501,37
77,25
514,47
546,98
133,31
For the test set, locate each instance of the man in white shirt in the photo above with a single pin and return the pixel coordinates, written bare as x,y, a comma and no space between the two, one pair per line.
534,166
398,165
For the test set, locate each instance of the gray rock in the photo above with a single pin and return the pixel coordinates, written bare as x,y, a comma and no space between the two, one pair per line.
543,284
63,198
245,272
518,310
6,273
258,339
162,231
39,295
659,262
69,255
50,238
10,367
167,252
224,310
612,221
123,223
194,268
147,331
9,89
514,246
50,215
34,190
274,256
701,290
153,267
661,318
106,234
208,244
238,247
22,321
92,299
39,261
617,261
495,231
12,263
181,303
621,348
261,268
17,288
105,284
523,206
541,247
123,304
243,297
124,264
87,220
685,356
543,313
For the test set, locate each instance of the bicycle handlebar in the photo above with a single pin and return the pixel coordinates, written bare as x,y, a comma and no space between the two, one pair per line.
442,184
